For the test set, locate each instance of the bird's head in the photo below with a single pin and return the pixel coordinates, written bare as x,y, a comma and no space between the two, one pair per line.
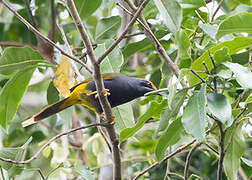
145,86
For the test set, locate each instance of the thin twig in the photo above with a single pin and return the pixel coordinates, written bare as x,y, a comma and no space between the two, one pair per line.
240,99
188,159
34,30
217,9
206,68
233,130
134,34
120,38
214,72
210,147
41,174
202,80
36,155
31,17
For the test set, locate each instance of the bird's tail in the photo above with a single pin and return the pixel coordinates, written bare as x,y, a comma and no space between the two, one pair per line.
48,111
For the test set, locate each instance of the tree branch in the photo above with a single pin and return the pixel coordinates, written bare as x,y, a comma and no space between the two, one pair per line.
148,32
188,159
36,155
100,89
180,149
34,30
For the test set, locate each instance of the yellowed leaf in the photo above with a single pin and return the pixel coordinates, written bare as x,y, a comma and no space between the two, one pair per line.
46,152
64,77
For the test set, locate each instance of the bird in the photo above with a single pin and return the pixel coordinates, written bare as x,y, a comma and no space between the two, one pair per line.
119,89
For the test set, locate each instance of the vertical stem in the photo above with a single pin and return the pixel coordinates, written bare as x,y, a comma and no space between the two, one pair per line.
100,89
222,151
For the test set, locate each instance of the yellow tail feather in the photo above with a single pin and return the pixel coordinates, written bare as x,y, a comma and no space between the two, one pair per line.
48,111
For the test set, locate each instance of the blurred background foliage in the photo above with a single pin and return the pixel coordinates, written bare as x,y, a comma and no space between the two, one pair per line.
149,127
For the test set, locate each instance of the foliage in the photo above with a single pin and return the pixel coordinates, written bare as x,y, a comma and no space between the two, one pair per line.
213,89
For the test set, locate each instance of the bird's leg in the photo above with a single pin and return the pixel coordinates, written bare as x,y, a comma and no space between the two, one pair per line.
106,93
113,118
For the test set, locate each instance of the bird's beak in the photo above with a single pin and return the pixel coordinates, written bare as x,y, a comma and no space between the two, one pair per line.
153,86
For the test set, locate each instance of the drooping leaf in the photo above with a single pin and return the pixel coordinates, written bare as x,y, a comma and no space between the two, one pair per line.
15,154
107,28
183,43
124,117
172,109
217,104
234,152
16,58
236,24
243,74
171,13
194,116
86,7
154,110
12,93
233,46
169,138
209,29
64,77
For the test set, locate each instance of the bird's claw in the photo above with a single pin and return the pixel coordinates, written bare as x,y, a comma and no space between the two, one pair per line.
106,93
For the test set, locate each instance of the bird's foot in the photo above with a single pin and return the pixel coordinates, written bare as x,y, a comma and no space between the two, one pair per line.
113,119
106,93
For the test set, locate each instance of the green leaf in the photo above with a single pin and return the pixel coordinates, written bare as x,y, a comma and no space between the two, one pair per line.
171,13
233,46
86,7
243,74
222,55
15,154
52,94
16,58
183,43
234,152
217,104
124,117
247,161
113,61
12,93
154,110
85,172
169,138
235,24
107,28
209,29
194,116
172,109
190,6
